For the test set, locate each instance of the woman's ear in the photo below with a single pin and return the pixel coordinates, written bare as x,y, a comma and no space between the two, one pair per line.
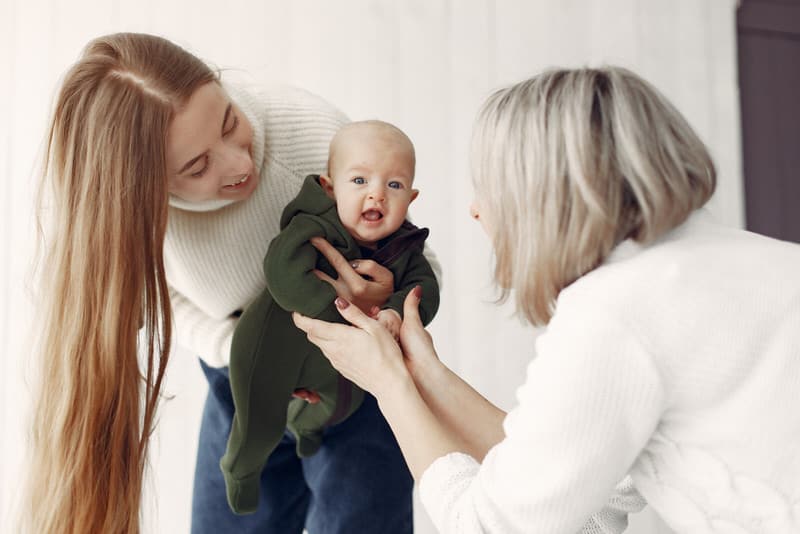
327,185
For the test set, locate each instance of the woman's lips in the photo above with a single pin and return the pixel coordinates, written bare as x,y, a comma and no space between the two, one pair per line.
238,185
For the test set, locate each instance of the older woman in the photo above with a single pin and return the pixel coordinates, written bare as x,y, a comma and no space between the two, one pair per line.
670,366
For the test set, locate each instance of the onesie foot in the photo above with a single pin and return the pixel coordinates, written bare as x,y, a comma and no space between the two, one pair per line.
242,493
308,444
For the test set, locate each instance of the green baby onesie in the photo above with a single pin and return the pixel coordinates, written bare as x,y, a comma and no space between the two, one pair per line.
271,357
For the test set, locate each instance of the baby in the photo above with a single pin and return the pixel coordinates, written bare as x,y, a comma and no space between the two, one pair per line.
370,177
360,207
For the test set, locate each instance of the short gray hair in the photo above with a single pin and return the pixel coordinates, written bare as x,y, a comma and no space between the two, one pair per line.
570,163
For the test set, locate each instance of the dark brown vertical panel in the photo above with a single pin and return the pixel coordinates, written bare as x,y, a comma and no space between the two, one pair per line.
769,79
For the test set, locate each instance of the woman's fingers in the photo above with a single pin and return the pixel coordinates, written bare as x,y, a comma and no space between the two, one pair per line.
415,341
338,262
324,277
354,315
325,331
375,271
411,306
350,283
316,329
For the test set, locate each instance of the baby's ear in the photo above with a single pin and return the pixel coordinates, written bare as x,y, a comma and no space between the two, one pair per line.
414,194
327,184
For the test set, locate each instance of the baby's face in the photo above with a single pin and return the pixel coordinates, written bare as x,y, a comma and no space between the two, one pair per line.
372,185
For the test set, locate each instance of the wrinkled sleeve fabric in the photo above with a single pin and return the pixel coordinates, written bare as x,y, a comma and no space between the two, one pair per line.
289,265
591,400
436,266
418,272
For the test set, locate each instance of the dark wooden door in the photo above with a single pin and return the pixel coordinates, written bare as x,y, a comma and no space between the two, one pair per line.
769,81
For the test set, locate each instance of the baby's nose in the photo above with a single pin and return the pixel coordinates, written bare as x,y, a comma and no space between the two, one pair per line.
377,195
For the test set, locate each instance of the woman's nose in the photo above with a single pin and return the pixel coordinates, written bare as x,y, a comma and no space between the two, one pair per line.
236,161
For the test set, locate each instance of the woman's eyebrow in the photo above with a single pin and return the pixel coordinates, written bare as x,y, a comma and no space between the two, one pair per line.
196,158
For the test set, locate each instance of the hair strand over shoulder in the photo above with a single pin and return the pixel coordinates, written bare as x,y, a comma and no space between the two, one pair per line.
106,321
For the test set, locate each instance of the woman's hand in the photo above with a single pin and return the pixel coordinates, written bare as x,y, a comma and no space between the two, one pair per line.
351,284
390,320
416,342
366,353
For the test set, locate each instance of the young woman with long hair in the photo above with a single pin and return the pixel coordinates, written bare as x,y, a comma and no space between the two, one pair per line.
669,367
163,187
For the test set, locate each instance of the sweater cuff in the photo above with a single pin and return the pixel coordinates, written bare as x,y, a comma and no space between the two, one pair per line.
221,352
444,482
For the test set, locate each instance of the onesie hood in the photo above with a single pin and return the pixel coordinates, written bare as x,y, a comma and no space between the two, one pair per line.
311,199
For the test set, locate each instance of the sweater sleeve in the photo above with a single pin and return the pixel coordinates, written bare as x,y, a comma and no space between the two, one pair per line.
196,331
591,400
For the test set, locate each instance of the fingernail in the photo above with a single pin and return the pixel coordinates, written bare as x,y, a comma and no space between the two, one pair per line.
341,303
418,292
354,265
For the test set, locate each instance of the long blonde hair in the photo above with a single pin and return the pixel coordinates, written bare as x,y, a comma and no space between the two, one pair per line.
570,163
105,301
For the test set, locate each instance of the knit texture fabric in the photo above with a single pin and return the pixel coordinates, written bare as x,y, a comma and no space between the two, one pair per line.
676,364
213,257
214,251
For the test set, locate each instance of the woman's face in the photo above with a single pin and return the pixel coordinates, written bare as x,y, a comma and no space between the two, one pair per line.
210,149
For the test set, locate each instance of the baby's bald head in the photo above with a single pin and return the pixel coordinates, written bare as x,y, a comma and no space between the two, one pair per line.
367,133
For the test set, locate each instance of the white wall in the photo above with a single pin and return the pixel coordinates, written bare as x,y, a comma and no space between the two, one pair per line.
424,65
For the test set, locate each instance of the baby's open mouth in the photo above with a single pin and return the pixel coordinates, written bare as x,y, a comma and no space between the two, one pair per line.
372,215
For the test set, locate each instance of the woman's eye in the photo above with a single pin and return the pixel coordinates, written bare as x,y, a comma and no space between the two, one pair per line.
358,180
395,185
202,171
233,126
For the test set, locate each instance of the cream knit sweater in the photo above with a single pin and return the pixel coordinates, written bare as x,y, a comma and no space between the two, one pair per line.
213,251
214,257
677,363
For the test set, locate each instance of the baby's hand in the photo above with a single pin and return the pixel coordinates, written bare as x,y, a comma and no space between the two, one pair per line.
391,320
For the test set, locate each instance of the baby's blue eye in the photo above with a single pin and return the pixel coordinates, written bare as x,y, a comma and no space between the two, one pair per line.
395,185
359,180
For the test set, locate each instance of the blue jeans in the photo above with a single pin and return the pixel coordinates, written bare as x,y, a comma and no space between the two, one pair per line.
357,481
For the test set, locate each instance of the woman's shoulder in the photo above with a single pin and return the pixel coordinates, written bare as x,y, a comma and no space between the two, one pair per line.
292,127
281,100
702,280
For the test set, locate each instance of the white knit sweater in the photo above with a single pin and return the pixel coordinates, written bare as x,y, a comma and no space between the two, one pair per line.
678,364
214,258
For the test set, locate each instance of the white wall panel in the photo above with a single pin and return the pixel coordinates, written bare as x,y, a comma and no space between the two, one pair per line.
8,365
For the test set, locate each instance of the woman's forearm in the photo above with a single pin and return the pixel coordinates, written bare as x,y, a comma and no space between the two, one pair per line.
421,435
461,409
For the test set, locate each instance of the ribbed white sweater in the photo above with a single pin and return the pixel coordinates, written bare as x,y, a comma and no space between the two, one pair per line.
214,257
678,364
